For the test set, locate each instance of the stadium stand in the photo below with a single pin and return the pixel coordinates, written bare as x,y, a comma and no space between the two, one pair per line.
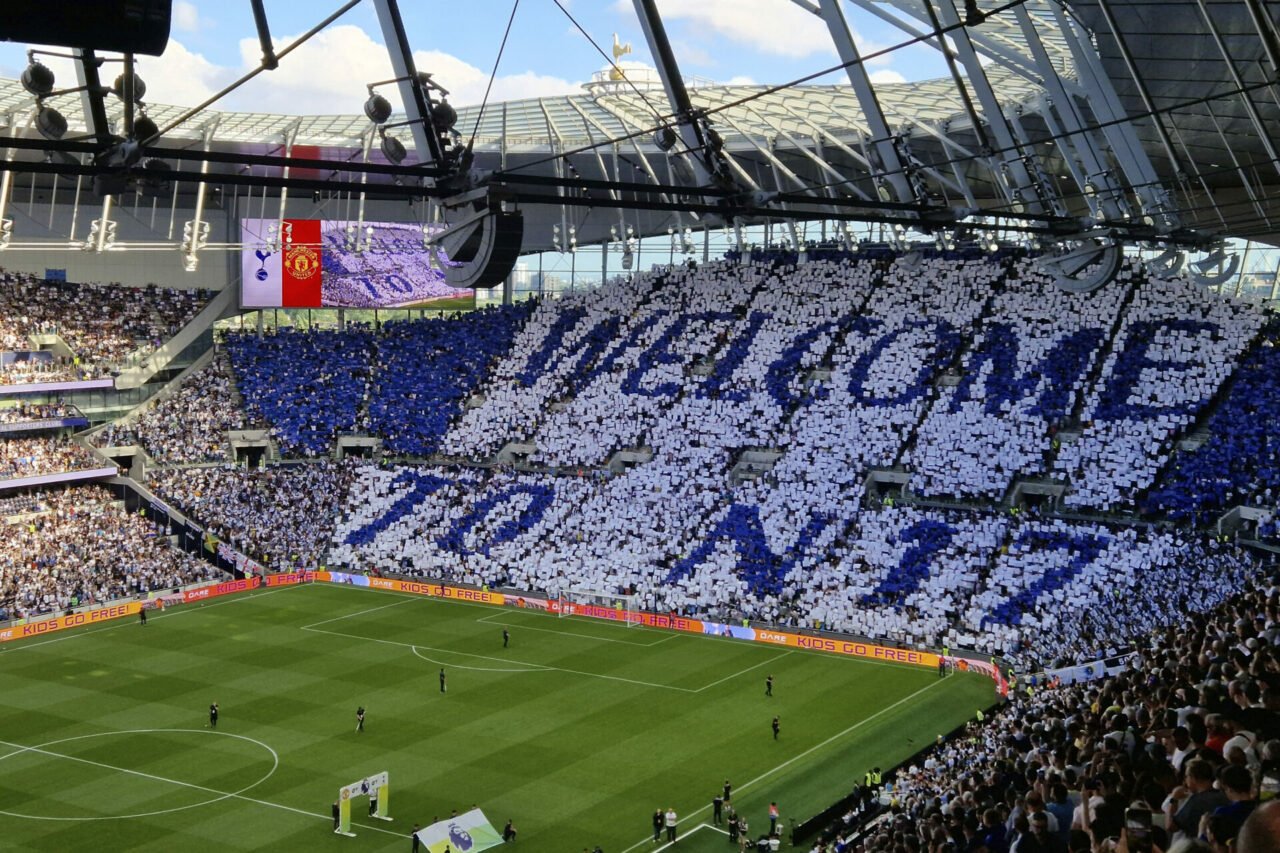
438,362
84,548
102,324
1174,349
26,412
30,457
1240,461
189,426
1022,375
281,516
964,374
1201,691
309,386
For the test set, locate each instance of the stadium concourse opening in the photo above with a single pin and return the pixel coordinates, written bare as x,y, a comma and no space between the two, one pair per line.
848,463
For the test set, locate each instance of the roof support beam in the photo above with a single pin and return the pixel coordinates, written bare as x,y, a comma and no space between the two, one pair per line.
1079,148
892,170
1026,192
703,156
1119,132
417,110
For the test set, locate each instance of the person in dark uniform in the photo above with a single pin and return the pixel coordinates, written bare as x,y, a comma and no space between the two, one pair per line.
213,715
442,685
717,810
768,686
142,614
733,828
337,815
728,790
417,842
509,831
360,719
506,637
657,824
776,728
373,804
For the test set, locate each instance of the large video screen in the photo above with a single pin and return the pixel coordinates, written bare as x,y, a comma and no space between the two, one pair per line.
318,265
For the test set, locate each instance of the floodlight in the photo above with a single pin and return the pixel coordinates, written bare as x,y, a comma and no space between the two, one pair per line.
377,108
393,150
51,123
665,138
37,79
443,116
139,88
145,129
973,16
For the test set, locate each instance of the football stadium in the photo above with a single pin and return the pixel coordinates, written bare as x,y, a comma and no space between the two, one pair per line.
834,425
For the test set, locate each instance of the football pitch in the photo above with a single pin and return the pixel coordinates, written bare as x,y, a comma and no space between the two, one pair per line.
577,731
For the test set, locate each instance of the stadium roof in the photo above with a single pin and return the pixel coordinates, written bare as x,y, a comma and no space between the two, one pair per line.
1093,125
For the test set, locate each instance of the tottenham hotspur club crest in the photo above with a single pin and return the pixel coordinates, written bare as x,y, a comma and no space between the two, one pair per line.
262,274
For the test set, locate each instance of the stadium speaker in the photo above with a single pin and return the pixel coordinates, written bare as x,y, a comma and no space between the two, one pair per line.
120,26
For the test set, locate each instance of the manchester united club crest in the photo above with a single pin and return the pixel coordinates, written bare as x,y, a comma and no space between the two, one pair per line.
302,262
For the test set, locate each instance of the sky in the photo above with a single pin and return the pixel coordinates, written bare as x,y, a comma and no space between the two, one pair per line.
213,42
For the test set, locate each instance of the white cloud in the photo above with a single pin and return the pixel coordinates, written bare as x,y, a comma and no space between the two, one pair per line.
887,75
740,80
180,76
769,26
325,76
186,17
328,74
466,83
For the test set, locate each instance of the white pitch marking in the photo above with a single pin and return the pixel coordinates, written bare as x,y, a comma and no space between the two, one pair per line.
357,613
531,667
745,671
504,660
526,627
683,835
793,759
223,795
39,749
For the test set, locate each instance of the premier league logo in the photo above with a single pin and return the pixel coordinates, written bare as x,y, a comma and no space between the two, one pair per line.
460,837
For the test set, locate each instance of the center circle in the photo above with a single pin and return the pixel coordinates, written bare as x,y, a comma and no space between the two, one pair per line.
39,749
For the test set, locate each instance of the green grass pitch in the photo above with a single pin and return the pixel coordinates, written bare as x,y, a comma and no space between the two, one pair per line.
577,732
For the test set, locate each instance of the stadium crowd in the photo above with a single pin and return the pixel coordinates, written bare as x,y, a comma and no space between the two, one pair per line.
82,549
188,426
1240,461
282,515
32,457
1188,731
102,324
22,412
